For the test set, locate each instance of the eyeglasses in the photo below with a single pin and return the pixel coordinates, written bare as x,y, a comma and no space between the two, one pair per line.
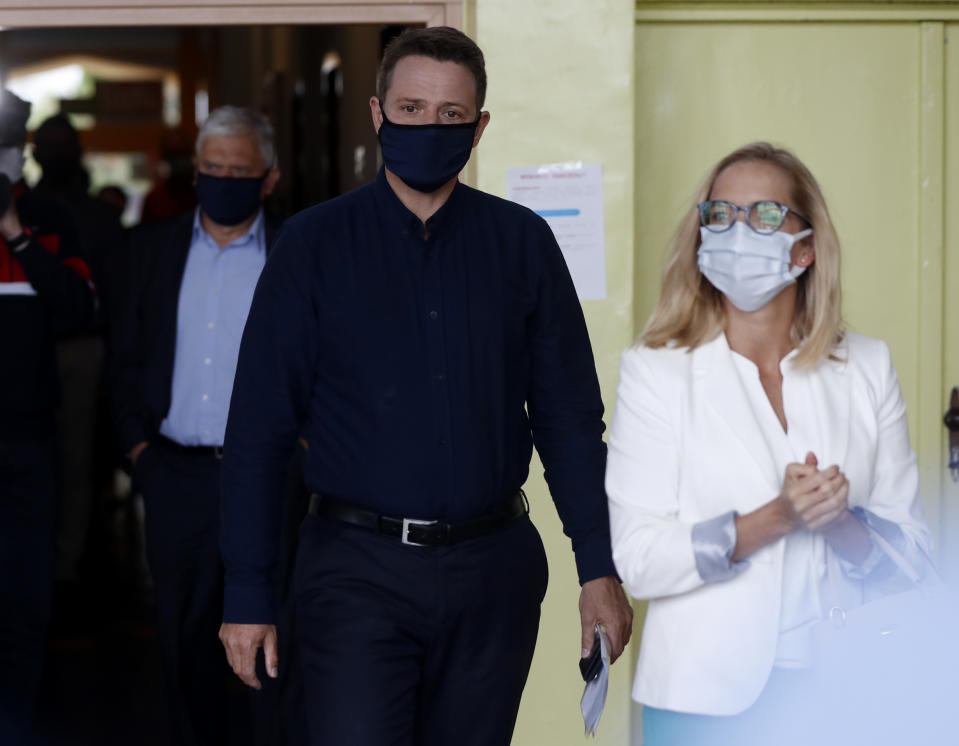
764,217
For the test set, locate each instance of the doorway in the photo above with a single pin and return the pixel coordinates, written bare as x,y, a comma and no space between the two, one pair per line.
136,82
138,95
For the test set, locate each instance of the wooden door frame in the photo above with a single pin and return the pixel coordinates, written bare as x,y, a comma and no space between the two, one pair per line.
73,13
90,13
929,438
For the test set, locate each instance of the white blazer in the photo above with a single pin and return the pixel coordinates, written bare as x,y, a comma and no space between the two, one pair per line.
685,446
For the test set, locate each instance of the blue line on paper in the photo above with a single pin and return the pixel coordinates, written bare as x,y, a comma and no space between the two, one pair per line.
572,212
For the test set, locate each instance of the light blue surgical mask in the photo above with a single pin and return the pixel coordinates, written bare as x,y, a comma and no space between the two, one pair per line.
749,268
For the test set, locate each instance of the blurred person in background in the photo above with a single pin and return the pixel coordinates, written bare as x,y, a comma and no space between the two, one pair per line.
114,197
45,290
86,454
172,192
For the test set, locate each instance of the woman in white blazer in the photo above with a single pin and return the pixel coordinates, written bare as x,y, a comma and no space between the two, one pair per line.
751,435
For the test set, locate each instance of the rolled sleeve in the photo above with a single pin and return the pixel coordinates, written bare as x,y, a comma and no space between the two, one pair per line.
877,562
893,508
713,543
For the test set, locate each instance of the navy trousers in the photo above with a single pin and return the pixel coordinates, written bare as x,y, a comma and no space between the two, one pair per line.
181,495
181,492
413,645
27,540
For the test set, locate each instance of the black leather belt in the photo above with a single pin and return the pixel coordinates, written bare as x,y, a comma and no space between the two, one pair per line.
416,531
198,451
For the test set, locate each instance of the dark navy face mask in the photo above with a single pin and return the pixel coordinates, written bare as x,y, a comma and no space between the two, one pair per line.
228,201
426,156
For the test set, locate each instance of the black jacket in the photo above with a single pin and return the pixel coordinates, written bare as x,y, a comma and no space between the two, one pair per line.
45,289
144,325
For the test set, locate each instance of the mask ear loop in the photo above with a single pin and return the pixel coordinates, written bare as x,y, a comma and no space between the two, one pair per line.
800,236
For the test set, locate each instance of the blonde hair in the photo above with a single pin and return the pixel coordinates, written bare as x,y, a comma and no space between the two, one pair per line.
690,310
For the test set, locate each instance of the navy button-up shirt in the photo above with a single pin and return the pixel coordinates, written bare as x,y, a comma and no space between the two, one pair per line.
421,366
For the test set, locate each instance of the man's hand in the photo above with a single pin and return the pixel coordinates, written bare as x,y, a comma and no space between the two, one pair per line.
137,450
10,226
241,642
602,601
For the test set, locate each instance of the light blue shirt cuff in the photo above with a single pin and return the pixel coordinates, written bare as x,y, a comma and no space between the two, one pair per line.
713,544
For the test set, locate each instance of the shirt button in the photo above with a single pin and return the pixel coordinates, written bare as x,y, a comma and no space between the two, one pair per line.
209,325
438,377
434,315
207,361
206,397
443,441
214,291
206,432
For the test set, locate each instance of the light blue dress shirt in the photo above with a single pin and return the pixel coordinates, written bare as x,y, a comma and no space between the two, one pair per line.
215,296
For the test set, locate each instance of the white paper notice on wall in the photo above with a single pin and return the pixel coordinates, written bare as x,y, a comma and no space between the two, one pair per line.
569,196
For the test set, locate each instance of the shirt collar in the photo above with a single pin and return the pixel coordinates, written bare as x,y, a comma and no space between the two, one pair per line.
399,212
254,235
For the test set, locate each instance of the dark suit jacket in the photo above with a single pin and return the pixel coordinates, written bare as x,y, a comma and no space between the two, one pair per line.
145,321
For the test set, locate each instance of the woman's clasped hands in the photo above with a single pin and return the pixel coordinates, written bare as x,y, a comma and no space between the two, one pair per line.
812,498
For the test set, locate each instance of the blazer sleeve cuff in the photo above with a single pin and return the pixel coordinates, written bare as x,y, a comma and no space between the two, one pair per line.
713,543
249,605
877,558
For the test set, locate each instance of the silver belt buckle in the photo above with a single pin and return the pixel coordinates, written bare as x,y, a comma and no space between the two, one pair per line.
405,537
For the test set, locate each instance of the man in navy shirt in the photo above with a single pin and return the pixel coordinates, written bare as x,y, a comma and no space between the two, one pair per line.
421,336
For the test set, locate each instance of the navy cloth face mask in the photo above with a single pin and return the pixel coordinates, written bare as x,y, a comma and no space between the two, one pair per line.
426,156
228,201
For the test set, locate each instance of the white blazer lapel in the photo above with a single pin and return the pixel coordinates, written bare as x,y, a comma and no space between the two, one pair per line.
718,383
830,388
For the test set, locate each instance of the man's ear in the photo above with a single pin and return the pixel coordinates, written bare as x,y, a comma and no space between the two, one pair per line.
377,113
269,183
483,121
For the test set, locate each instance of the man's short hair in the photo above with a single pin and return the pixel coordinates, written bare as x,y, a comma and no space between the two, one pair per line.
441,43
236,121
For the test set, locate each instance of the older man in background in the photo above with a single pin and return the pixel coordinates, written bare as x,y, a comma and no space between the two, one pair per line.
176,345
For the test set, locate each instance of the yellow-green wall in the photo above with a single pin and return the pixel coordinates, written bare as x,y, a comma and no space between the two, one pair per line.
860,92
865,92
560,89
